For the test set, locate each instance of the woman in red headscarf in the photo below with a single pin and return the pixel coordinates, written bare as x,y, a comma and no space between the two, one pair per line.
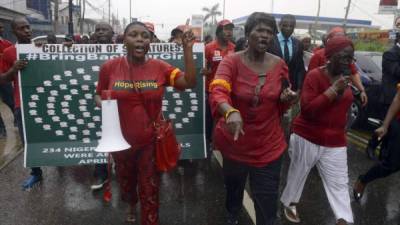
319,59
319,133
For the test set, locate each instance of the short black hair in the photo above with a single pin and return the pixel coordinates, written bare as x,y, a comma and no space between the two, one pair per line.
133,24
288,17
15,20
257,18
175,32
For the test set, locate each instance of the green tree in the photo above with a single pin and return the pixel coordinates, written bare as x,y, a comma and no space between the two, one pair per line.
212,13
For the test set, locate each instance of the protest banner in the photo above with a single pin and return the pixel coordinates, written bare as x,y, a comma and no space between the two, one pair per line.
62,124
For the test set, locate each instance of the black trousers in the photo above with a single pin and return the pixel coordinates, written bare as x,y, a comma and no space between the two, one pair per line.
264,186
391,155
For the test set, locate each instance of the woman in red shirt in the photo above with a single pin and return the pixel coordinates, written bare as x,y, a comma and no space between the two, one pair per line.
319,133
248,100
138,82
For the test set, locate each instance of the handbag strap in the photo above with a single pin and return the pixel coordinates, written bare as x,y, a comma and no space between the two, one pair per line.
160,115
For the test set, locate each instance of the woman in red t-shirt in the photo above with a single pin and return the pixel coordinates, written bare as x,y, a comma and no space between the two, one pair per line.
248,100
319,133
138,82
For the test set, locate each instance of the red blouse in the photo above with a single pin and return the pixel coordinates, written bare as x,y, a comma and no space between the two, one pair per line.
150,79
322,121
264,140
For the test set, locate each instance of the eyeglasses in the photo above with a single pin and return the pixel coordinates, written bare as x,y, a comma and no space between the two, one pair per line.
346,58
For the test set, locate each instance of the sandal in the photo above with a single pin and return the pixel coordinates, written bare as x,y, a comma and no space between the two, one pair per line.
131,215
341,222
291,214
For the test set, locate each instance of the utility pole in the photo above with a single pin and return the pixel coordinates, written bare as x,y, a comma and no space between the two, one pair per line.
130,11
223,10
272,6
70,22
316,20
346,15
55,22
83,9
109,11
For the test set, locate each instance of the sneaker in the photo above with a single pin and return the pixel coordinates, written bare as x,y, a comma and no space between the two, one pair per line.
31,182
131,214
291,214
98,184
232,220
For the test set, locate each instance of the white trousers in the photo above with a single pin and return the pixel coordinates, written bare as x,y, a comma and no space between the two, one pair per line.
332,168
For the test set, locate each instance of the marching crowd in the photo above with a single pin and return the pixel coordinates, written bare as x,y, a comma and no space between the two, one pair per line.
252,84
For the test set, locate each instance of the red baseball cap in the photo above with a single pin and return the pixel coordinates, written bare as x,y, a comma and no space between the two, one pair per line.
149,26
225,22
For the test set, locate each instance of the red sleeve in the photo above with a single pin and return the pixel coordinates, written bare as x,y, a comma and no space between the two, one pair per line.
221,86
315,61
171,73
104,78
353,69
9,57
313,100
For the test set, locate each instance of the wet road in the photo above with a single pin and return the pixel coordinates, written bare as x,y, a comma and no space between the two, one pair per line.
10,146
193,194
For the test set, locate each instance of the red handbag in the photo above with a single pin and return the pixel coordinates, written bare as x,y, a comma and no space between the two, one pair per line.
168,150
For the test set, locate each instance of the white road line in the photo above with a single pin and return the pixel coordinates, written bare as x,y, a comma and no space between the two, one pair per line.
247,201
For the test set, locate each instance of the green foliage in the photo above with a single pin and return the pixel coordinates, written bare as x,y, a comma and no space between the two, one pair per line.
372,46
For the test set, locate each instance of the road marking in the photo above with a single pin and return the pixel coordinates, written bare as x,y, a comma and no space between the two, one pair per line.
247,201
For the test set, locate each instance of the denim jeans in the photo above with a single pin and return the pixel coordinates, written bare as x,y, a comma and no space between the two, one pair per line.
264,186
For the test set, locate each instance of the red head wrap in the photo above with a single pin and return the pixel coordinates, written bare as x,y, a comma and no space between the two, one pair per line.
336,44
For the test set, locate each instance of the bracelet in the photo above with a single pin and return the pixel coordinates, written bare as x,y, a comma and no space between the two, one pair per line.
333,90
229,112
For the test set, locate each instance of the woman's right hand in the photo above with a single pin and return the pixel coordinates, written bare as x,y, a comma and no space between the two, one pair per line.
234,123
380,132
340,84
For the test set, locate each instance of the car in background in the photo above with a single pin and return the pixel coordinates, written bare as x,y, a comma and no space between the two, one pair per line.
369,66
43,39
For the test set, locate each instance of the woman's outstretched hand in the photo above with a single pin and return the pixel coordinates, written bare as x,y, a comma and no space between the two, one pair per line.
188,39
288,96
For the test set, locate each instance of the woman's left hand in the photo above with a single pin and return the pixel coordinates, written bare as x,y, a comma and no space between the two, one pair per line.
288,96
364,98
188,39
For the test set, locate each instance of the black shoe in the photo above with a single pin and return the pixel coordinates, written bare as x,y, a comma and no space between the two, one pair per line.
358,189
98,184
232,219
